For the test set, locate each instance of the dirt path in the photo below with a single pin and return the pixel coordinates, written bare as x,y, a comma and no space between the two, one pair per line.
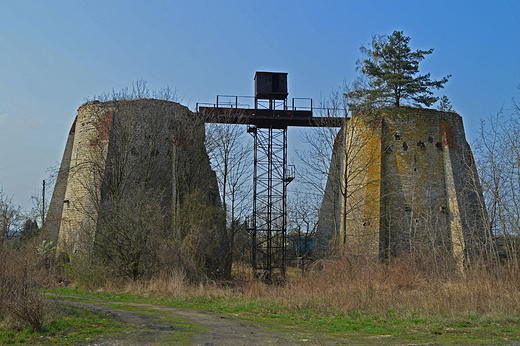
158,324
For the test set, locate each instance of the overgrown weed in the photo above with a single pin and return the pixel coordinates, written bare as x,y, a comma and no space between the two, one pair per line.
351,282
355,295
19,300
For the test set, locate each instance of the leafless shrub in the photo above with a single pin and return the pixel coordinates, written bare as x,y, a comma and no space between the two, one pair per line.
28,308
17,284
199,226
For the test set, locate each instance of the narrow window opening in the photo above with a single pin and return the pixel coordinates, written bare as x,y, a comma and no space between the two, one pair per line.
94,141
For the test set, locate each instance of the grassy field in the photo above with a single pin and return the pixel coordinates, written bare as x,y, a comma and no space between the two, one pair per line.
362,301
65,325
350,298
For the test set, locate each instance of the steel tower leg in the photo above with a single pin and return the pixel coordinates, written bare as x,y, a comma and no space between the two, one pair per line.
270,180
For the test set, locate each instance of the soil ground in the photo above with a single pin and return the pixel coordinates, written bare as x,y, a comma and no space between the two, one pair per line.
164,325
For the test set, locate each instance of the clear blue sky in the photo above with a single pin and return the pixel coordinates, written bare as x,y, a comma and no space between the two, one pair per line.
54,54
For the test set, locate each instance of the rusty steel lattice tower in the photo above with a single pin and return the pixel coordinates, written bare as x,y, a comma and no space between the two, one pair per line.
270,179
268,119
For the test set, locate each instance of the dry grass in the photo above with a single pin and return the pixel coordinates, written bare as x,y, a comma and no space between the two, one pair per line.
169,283
353,282
346,285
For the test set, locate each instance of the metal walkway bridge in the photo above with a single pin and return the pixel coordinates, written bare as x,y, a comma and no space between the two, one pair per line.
268,115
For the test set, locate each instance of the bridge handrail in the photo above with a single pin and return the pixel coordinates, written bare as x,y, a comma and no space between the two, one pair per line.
250,102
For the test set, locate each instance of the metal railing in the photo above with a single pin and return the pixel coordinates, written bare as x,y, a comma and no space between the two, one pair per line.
250,102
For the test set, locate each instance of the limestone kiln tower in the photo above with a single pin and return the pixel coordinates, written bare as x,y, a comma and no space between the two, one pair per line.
142,153
85,164
404,180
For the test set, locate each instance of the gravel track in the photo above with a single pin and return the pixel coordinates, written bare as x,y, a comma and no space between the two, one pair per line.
206,328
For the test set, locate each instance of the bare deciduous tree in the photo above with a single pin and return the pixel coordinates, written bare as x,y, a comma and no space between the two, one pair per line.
303,211
335,167
10,217
146,174
134,206
231,158
497,153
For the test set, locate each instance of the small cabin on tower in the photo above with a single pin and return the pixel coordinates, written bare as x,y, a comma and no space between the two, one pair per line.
271,85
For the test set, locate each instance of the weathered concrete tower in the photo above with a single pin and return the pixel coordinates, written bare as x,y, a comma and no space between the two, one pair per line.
85,170
123,150
404,180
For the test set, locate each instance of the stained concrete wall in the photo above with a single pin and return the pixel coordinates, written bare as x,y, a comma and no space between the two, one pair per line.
408,182
87,160
54,213
329,218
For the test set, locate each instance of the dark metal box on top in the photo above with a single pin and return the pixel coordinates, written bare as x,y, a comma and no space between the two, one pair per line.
271,85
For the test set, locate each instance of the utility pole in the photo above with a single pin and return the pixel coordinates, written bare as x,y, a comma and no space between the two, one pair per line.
43,202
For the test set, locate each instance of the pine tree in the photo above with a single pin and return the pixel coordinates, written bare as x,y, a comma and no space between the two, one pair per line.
390,74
